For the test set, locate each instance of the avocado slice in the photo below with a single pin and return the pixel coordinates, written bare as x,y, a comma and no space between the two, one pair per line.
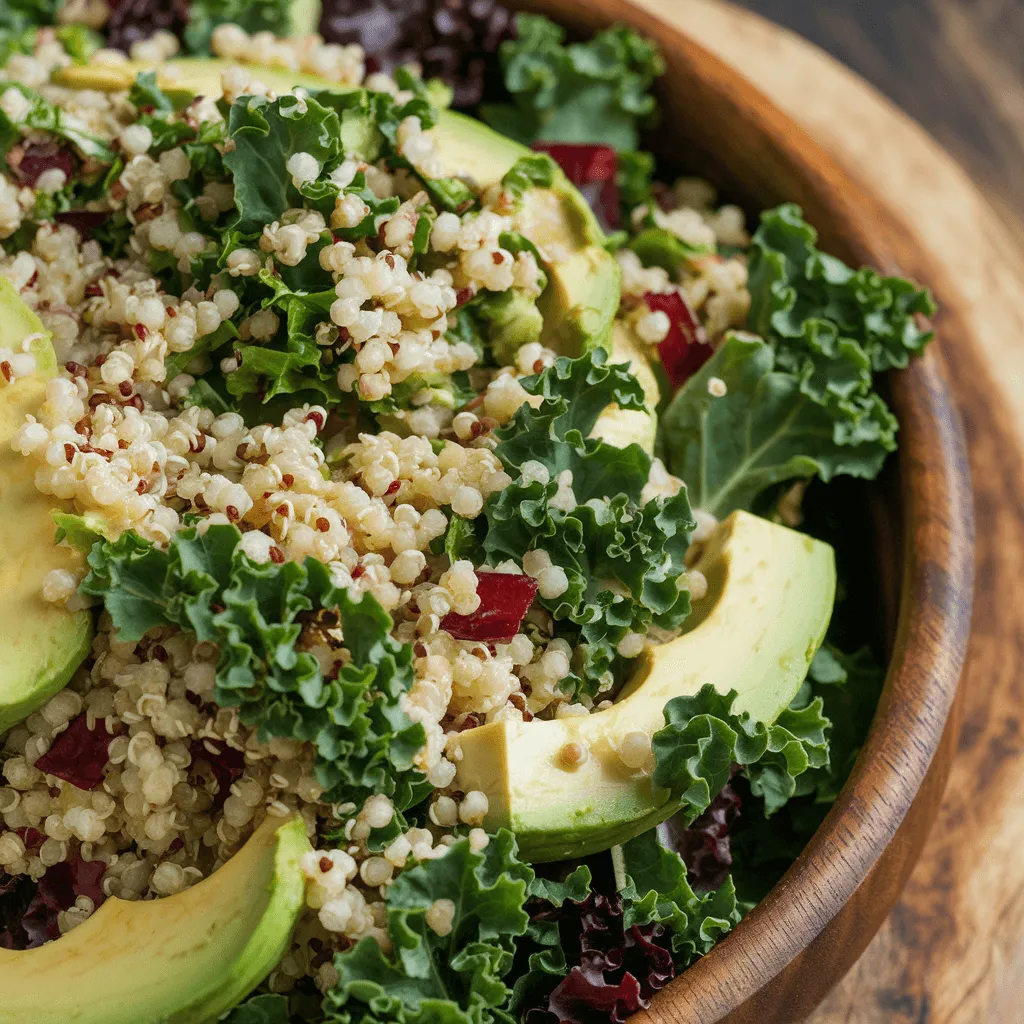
769,601
582,296
42,643
622,427
185,959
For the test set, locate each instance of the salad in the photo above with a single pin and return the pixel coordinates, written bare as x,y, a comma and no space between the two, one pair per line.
419,599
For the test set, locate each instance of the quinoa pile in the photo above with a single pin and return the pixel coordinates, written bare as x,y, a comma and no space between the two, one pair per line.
185,402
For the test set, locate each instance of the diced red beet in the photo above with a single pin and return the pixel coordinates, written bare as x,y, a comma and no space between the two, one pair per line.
505,598
37,157
592,170
79,754
83,221
686,347
226,765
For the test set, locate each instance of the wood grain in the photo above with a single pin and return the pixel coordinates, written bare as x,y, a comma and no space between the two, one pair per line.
952,951
808,931
954,65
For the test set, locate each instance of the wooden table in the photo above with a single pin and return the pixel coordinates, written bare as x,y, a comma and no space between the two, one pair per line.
952,951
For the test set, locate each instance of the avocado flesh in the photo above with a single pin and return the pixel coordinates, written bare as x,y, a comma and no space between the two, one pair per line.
622,427
42,644
185,959
769,601
582,296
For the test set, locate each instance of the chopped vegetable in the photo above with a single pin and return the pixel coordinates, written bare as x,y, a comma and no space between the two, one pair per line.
505,598
593,170
685,348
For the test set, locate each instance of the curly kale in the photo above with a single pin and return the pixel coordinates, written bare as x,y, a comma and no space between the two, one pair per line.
592,92
622,554
204,583
801,399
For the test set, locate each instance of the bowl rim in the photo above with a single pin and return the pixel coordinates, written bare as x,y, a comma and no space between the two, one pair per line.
930,644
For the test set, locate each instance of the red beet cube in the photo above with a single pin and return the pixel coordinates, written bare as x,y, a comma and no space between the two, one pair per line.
505,598
592,170
686,347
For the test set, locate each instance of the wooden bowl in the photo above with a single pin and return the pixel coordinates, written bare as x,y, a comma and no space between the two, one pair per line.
798,942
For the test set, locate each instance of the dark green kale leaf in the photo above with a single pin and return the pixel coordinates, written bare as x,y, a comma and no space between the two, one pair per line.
802,402
252,15
694,754
593,92
261,1009
292,361
657,890
265,134
812,306
765,429
622,556
848,685
458,978
535,171
204,583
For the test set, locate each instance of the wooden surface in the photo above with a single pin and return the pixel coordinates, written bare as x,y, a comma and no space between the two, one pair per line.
953,949
956,66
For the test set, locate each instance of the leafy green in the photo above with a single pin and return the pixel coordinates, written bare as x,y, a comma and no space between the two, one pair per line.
703,739
658,247
593,92
764,430
802,402
534,171
622,556
813,307
253,15
254,613
432,979
657,890
265,134
848,685
634,177
261,1009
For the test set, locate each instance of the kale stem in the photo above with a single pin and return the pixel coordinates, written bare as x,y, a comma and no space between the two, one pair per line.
619,867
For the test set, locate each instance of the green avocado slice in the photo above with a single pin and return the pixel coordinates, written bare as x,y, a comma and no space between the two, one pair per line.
582,296
42,644
769,601
185,959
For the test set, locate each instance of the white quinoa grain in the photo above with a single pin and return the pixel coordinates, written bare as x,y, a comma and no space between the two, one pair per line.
440,917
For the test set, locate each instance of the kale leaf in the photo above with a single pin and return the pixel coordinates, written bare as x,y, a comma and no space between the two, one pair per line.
593,92
658,890
801,401
622,555
260,1009
764,430
204,583
694,754
455,978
